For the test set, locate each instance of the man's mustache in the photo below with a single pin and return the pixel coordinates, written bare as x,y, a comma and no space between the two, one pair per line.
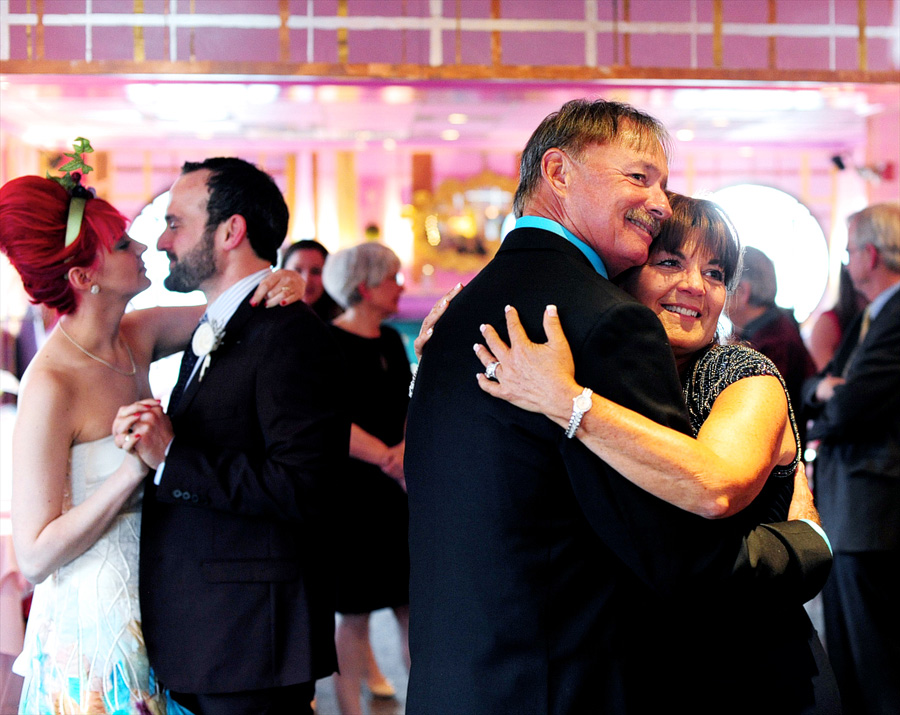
652,223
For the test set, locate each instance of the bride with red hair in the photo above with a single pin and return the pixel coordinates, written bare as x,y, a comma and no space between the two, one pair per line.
76,496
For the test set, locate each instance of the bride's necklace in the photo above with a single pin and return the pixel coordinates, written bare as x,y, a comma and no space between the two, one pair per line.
100,359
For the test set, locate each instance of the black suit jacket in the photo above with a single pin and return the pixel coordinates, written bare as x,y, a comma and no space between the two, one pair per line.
526,550
235,583
857,472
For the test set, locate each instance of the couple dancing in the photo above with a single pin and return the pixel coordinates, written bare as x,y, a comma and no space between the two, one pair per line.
572,588
235,590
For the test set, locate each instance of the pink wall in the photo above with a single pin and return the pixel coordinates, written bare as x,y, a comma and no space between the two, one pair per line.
884,149
384,33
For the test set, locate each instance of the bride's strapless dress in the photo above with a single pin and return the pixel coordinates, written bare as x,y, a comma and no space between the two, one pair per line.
84,651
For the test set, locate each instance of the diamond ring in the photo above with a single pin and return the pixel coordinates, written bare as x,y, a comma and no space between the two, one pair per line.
491,370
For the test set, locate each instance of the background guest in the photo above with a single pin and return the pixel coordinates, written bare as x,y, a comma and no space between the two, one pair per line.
768,328
307,257
830,326
855,402
373,558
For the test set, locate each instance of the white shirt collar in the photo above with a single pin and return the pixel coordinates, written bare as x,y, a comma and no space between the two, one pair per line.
881,299
219,312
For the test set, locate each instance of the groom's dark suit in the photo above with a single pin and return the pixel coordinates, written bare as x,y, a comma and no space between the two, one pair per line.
526,549
235,583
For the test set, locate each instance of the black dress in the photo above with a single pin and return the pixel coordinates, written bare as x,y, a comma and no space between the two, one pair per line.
756,652
372,550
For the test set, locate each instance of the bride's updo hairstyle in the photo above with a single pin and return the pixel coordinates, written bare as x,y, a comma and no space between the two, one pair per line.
33,215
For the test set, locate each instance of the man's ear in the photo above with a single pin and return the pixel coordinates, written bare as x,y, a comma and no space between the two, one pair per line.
742,293
235,227
555,169
363,290
873,258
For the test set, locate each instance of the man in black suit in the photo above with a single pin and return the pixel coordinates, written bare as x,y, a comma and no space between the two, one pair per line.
855,402
235,585
527,551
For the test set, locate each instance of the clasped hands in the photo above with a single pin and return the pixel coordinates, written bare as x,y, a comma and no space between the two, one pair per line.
144,430
392,463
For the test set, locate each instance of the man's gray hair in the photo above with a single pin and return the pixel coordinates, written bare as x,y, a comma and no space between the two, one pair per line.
345,270
579,124
879,224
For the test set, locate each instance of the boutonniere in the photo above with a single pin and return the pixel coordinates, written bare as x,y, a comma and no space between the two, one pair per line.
207,337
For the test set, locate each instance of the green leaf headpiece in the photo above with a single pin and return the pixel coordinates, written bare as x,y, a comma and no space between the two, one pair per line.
71,182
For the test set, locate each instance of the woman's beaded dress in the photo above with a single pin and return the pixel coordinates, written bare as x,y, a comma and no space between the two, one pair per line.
756,652
716,369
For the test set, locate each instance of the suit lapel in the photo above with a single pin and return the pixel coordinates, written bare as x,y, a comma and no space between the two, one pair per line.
851,344
233,331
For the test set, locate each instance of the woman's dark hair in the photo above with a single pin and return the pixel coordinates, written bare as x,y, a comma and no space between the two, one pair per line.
33,216
707,222
238,187
848,302
306,244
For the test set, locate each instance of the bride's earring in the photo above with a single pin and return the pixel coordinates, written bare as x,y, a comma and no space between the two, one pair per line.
95,289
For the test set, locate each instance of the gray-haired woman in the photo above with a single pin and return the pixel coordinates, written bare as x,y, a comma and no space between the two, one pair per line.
373,559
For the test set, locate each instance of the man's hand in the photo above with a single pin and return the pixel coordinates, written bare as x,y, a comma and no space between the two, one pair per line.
802,506
825,388
142,427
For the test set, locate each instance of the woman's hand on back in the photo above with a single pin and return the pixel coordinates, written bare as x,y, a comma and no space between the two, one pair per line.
530,375
437,310
282,287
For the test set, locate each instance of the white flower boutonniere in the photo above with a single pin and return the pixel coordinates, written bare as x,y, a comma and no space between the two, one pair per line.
207,338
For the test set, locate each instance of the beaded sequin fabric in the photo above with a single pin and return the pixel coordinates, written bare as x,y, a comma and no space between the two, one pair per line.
716,369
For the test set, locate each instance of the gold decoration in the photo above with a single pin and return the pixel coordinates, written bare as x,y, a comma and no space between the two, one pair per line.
457,227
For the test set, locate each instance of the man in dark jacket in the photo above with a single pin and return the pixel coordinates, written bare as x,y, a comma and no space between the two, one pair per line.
526,550
855,401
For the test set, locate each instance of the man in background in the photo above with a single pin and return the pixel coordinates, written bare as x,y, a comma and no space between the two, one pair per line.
770,329
855,402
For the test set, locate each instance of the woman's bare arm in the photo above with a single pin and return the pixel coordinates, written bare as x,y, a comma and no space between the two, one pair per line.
46,538
715,475
167,330
824,339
